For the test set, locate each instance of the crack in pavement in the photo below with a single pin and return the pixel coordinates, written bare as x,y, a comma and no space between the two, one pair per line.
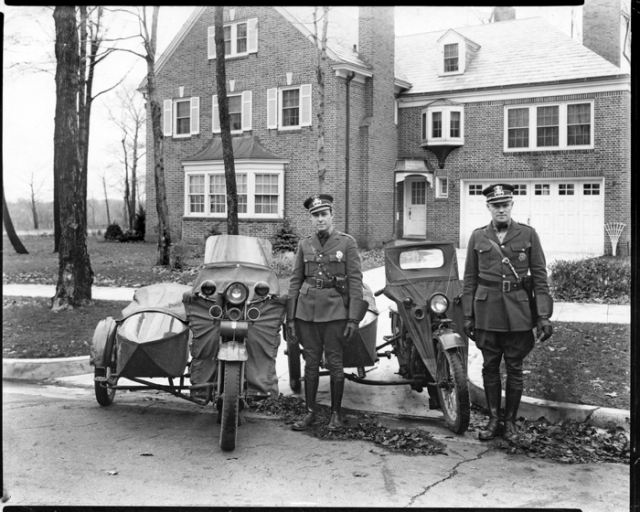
452,473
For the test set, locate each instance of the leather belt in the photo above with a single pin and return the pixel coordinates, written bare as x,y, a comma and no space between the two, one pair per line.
505,286
319,283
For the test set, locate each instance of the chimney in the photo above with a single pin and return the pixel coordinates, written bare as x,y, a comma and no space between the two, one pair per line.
503,13
601,28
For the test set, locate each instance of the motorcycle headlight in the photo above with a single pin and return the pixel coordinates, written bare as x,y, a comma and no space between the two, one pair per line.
439,304
208,287
236,293
261,289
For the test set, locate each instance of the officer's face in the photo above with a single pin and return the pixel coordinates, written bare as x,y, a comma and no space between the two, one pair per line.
500,212
322,221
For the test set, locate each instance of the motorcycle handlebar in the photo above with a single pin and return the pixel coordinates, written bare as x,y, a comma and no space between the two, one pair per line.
378,293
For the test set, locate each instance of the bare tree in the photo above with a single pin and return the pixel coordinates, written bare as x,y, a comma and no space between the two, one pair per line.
33,200
75,276
8,226
106,197
321,60
225,127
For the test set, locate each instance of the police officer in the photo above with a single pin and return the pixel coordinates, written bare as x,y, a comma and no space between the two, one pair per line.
325,304
497,314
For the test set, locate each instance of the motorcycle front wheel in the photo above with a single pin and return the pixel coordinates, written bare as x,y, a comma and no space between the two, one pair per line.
104,395
230,405
453,391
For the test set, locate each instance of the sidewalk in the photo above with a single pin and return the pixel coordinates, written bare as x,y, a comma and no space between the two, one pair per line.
399,400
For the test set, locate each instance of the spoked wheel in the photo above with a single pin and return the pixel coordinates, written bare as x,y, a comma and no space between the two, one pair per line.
104,395
230,405
453,391
293,359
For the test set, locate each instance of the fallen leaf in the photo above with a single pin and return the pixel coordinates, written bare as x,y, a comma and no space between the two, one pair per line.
146,454
613,394
111,473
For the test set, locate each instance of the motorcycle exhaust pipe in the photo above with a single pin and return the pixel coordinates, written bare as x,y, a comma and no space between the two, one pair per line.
253,314
215,312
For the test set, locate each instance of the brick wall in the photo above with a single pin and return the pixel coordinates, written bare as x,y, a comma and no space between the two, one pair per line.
601,28
482,157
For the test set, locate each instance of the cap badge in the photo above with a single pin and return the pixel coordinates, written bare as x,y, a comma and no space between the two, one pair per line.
339,255
497,191
522,256
316,201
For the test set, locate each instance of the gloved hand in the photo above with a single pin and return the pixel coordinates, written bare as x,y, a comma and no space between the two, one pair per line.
469,327
545,329
350,329
291,332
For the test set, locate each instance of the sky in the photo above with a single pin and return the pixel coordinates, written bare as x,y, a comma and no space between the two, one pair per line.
29,98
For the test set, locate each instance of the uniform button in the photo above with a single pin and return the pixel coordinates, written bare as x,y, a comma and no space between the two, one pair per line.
502,246
320,273
503,275
320,255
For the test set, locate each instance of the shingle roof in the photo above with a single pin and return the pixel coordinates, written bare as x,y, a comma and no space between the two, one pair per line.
243,147
528,51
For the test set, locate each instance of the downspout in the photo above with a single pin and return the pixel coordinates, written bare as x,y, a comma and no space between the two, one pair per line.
350,77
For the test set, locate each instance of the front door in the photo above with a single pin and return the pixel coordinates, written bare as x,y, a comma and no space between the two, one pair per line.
415,207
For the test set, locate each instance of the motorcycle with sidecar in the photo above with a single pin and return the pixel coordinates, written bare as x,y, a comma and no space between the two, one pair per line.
215,341
423,284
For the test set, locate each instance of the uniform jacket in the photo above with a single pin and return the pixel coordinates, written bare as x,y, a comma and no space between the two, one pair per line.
493,309
340,257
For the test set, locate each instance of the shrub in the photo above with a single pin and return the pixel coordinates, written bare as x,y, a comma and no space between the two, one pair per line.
286,239
214,230
600,280
113,232
140,221
371,258
282,263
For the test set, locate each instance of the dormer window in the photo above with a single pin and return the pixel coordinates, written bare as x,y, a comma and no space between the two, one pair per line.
450,58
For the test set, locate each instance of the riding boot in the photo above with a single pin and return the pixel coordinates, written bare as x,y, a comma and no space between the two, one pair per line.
310,392
512,402
493,394
337,390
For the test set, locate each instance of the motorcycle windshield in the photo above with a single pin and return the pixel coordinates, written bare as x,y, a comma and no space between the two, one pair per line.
238,248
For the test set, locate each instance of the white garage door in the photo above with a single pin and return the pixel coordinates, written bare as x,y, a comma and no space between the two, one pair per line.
567,214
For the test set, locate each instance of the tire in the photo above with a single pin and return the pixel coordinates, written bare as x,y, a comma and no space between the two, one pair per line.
453,392
293,359
104,396
230,405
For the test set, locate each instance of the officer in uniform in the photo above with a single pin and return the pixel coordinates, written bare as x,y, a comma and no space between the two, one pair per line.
325,304
497,314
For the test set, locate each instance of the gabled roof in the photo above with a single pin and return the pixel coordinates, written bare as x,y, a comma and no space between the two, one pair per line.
516,52
243,148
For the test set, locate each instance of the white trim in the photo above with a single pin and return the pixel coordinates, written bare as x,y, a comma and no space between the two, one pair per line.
518,92
177,135
445,138
438,193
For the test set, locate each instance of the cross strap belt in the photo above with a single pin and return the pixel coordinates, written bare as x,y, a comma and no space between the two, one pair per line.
320,283
505,286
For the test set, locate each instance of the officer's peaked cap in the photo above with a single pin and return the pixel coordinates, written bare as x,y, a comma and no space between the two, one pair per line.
498,193
318,203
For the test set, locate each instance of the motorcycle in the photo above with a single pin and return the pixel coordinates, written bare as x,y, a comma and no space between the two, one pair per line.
222,333
423,284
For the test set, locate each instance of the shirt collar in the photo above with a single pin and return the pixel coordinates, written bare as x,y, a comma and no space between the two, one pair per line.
495,228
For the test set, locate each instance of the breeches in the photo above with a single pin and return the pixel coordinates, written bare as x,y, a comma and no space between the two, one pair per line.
514,346
316,337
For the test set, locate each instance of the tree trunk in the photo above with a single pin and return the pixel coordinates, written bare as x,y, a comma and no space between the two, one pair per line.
164,233
127,200
33,204
225,128
134,169
8,226
106,198
321,55
75,276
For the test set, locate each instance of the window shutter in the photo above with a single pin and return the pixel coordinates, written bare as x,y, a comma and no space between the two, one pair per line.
195,115
215,116
272,108
167,117
246,110
211,42
305,105
252,35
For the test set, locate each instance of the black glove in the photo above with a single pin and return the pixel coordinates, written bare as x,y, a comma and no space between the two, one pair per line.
469,327
545,329
291,332
350,329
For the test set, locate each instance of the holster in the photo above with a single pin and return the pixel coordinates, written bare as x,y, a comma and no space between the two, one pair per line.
292,302
357,309
342,286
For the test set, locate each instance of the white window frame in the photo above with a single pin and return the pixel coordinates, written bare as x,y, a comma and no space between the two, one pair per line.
252,38
275,95
448,39
445,138
250,169
245,112
563,126
442,187
194,117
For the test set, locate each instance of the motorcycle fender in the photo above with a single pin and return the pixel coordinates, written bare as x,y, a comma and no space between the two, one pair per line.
102,344
233,351
450,340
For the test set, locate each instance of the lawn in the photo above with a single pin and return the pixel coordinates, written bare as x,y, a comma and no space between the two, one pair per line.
584,363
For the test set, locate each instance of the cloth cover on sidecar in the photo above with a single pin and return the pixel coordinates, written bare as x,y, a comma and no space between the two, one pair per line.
152,338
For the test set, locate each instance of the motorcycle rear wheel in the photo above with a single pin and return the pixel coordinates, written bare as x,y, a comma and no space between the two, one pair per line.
453,392
230,405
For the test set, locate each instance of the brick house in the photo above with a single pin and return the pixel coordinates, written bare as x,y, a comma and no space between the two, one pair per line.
432,119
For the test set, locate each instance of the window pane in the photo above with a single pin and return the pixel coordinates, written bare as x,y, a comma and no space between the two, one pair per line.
183,121
437,124
475,190
543,190
196,194
520,190
217,193
444,186
455,124
518,127
579,124
424,126
450,57
548,128
241,39
290,107
565,189
241,188
591,189
266,198
291,98
196,184
227,40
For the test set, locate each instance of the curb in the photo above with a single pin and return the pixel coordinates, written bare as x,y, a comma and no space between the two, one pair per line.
35,369
533,409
